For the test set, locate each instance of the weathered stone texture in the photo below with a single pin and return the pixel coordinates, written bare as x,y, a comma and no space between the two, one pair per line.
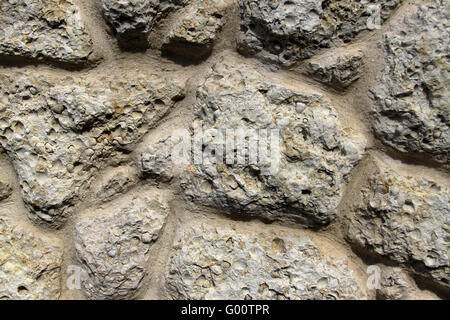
338,69
113,247
395,284
411,97
194,34
221,263
406,220
58,132
30,265
50,29
133,20
156,161
316,131
316,151
284,32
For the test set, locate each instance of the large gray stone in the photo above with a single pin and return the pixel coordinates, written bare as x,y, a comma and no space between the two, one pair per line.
284,32
222,263
113,246
59,131
406,220
132,20
30,264
411,97
316,151
50,30
194,34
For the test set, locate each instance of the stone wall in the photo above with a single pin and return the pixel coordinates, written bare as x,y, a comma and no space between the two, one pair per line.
93,205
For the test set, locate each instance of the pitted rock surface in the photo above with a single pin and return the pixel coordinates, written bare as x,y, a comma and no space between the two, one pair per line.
132,20
406,220
194,34
411,97
113,247
58,132
316,151
284,32
221,263
30,264
395,284
308,158
51,29
156,161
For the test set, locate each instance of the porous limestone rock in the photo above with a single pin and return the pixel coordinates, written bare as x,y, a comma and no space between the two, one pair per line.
222,263
284,32
30,264
411,97
194,34
396,284
406,220
156,162
338,68
5,190
113,246
59,131
100,142
316,152
132,20
37,29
